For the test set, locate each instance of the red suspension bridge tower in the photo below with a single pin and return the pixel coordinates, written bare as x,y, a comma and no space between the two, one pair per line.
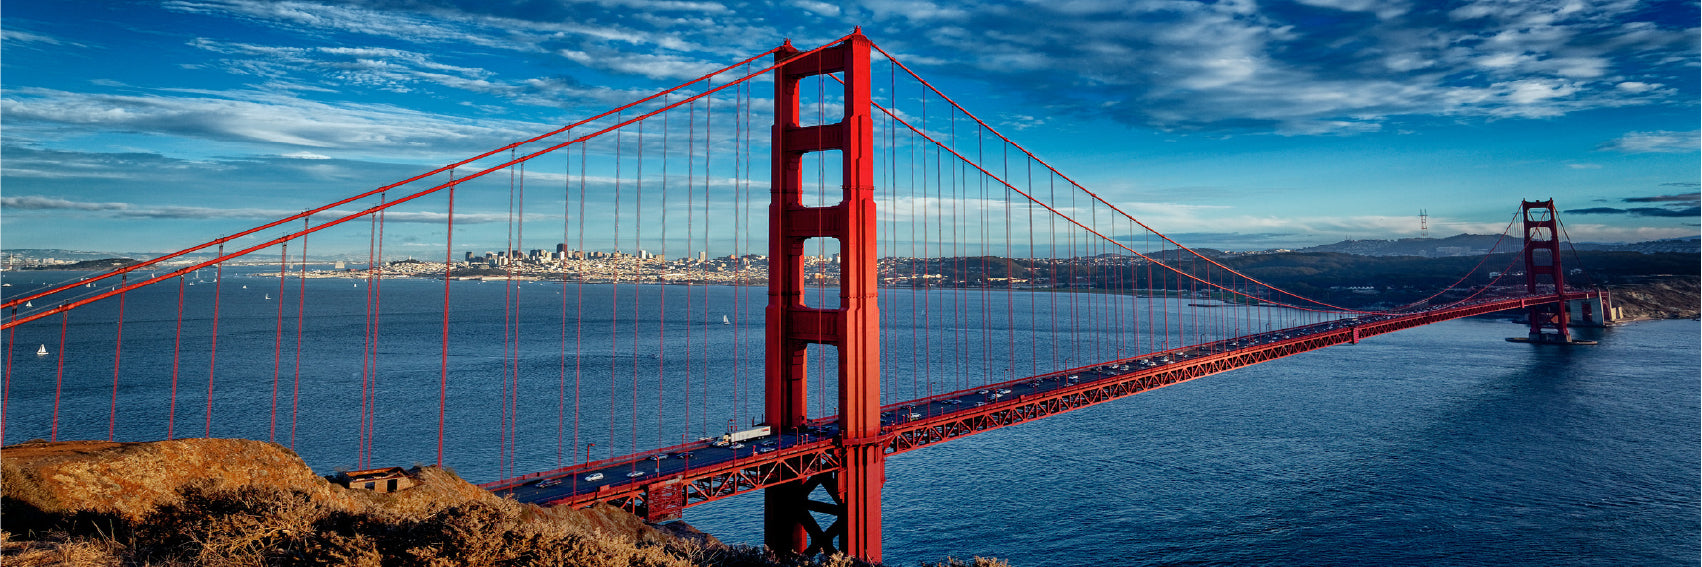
1542,269
853,328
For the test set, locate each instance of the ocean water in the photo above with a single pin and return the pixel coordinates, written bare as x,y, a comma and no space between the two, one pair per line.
1442,445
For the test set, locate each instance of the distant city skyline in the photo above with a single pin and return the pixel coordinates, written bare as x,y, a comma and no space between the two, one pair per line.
1230,125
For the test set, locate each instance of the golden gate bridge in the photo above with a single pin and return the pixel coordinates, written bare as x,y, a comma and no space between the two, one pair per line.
1058,300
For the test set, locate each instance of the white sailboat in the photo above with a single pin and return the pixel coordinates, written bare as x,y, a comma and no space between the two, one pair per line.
41,350
725,320
29,304
268,297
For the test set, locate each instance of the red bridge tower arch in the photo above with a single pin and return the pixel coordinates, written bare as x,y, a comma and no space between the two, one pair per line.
1542,269
853,328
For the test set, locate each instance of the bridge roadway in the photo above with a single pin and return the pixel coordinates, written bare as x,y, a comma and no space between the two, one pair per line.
658,484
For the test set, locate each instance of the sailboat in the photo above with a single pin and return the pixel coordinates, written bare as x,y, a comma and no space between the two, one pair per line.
41,350
725,321
268,297
29,304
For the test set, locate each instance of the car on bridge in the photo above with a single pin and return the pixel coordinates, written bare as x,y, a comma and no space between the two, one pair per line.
593,477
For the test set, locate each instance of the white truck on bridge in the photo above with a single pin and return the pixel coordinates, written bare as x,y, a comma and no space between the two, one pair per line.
742,436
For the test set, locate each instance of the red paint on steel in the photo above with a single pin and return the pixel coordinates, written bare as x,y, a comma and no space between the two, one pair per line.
853,328
443,353
309,213
213,350
359,214
117,356
759,471
1542,242
6,395
176,355
278,342
59,375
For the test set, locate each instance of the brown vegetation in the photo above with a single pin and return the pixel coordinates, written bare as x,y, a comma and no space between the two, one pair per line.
230,502
1660,298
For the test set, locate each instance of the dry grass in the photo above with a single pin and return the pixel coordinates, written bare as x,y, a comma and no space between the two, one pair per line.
236,503
256,525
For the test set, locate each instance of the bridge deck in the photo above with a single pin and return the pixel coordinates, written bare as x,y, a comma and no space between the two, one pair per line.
659,483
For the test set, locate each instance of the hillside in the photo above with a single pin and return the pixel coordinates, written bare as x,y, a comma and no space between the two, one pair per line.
1478,244
232,502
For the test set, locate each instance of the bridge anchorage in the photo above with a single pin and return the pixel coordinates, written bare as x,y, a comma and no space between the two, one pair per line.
1168,314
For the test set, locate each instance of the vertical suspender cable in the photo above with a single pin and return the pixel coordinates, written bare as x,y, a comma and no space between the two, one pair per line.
508,345
638,267
278,342
745,114
579,306
614,290
443,349
176,356
59,373
561,370
662,296
366,343
1052,263
213,352
1033,306
6,396
520,252
708,145
300,318
117,355
691,204
377,286
738,259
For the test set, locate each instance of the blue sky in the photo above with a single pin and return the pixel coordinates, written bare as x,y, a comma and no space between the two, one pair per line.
150,126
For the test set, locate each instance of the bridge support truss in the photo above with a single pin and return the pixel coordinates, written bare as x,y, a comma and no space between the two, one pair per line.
1542,269
789,520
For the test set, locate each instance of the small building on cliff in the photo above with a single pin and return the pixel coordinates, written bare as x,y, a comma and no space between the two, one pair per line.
388,479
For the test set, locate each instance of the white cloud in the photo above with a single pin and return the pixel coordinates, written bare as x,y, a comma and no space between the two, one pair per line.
1637,86
818,8
649,65
1660,141
137,211
251,117
1200,65
17,36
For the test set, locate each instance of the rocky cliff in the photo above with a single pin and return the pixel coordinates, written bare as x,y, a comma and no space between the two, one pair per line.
1664,298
